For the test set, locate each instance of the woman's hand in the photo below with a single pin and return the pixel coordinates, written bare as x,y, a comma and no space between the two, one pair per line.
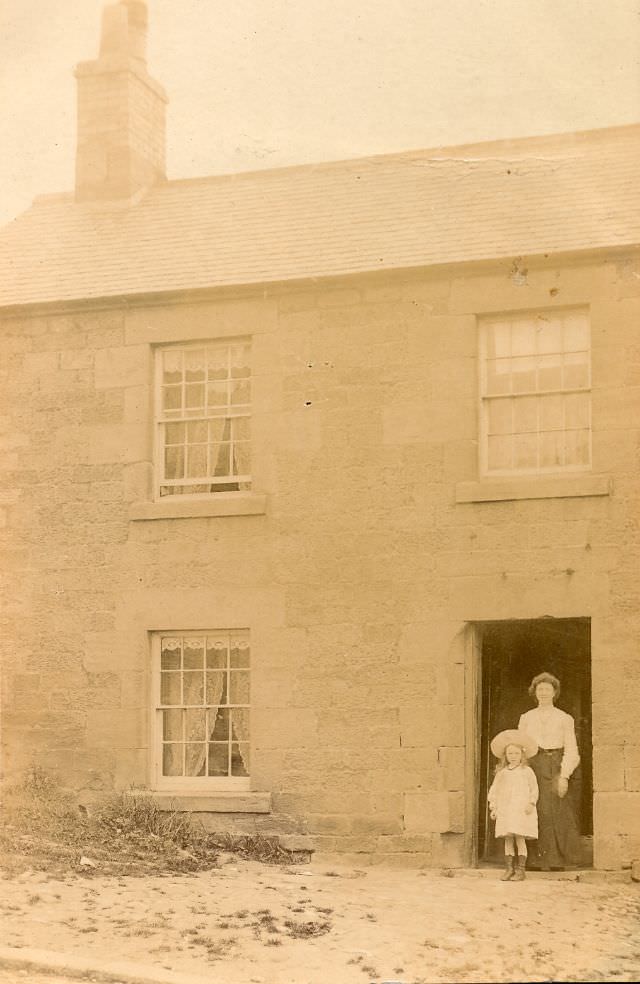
528,808
563,785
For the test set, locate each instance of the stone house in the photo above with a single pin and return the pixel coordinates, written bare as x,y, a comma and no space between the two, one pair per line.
306,472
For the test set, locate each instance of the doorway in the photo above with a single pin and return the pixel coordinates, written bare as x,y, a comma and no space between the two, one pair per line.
511,654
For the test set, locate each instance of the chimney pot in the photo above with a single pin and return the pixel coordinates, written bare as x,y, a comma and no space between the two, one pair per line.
124,30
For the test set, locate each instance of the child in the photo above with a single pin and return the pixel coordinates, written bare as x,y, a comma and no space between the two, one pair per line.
513,797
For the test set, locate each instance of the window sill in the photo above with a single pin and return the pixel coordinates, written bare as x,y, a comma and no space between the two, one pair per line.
533,487
211,802
223,504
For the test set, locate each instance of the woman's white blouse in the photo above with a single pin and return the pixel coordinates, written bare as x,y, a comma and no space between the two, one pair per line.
553,728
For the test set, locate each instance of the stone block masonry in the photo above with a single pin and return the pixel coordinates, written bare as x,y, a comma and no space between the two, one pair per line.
359,579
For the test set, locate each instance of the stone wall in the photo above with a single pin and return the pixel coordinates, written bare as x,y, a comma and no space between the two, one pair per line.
360,579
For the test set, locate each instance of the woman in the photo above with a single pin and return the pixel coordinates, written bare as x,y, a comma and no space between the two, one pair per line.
556,761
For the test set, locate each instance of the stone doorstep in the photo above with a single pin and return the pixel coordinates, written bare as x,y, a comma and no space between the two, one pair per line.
81,968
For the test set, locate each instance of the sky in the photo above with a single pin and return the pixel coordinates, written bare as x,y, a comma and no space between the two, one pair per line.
267,83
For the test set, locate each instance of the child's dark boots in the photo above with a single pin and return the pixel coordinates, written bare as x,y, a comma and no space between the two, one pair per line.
520,867
508,872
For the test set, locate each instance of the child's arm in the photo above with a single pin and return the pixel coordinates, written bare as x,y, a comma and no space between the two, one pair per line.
492,797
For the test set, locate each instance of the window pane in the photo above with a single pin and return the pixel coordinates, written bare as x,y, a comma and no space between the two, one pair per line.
549,332
219,430
197,432
499,340
194,723
577,447
239,687
240,724
240,759
218,760
240,428
193,684
576,333
550,372
172,366
194,365
498,377
499,456
525,414
523,373
194,396
241,459
240,361
170,688
218,359
551,449
193,654
523,338
174,434
240,393
174,462
195,759
220,458
576,370
576,409
240,653
172,397
216,654
170,653
217,395
551,413
499,416
197,461
525,451
216,689
219,724
172,725
172,760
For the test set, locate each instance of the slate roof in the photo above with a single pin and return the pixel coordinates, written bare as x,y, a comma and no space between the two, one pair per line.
503,199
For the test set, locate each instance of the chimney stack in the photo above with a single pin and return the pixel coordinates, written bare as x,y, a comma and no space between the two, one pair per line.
121,112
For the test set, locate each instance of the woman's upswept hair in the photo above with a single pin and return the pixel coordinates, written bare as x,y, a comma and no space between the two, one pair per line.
502,761
545,678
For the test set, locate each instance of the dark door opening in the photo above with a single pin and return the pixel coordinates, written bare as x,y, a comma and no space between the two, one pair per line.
512,653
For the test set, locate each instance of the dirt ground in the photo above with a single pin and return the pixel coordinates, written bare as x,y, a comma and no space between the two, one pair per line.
251,923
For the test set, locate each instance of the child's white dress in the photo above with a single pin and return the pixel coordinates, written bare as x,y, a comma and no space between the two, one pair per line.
511,791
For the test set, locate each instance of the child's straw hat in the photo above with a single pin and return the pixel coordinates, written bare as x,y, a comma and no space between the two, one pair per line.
514,737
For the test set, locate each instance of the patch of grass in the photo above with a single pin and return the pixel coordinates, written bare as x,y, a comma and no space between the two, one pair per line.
304,930
370,971
254,847
43,828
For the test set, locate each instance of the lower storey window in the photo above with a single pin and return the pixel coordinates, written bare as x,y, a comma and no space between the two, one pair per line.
202,708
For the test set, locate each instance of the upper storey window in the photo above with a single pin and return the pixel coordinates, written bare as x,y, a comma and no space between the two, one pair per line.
203,406
535,392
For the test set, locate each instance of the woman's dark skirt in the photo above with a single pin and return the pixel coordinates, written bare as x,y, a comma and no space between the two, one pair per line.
558,844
